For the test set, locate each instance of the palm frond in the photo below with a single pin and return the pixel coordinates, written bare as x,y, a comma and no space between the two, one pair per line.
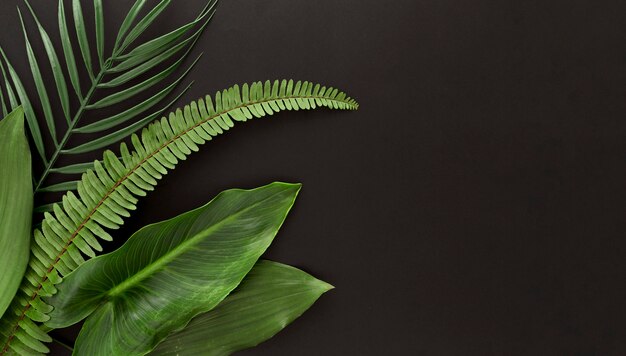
31,119
12,105
39,84
125,64
108,192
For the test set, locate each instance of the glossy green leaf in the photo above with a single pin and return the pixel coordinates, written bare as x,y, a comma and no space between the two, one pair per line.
270,297
99,21
131,113
55,65
108,193
16,205
7,86
5,107
128,21
60,187
81,33
144,23
70,60
138,88
29,113
158,44
126,131
169,272
74,168
39,83
152,62
44,208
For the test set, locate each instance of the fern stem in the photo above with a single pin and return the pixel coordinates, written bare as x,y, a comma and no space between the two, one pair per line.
119,182
74,122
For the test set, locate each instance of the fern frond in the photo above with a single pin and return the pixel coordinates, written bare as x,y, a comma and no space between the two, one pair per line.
108,192
128,61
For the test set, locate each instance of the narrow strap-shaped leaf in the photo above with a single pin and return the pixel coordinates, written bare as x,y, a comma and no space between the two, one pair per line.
68,51
149,48
81,33
194,260
129,114
10,94
99,21
5,106
160,42
39,84
124,132
270,297
61,187
74,168
138,88
144,23
136,61
142,60
44,208
128,21
144,67
33,125
55,65
78,168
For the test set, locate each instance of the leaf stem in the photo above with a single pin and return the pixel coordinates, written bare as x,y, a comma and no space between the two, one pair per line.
73,123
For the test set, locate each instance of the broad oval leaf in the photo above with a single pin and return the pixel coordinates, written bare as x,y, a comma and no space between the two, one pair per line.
169,272
16,204
270,297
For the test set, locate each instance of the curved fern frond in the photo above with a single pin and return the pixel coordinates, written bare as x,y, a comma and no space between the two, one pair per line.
108,192
108,74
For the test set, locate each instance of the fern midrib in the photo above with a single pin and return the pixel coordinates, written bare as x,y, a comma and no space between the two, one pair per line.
120,181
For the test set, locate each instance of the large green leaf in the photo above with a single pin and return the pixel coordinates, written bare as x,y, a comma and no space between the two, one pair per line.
169,272
16,205
109,192
270,297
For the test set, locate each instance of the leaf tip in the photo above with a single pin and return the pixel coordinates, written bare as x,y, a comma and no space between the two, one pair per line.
290,186
323,286
16,117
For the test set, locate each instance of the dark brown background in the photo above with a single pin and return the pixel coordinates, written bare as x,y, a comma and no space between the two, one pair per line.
474,205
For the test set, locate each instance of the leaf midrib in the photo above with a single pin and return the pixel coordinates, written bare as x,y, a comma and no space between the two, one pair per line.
73,123
121,180
164,260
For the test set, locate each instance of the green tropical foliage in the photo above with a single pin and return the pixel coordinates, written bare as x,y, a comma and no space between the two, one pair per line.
270,297
108,79
169,272
109,192
16,204
122,316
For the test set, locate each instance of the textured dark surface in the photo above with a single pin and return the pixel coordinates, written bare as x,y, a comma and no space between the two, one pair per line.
474,205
